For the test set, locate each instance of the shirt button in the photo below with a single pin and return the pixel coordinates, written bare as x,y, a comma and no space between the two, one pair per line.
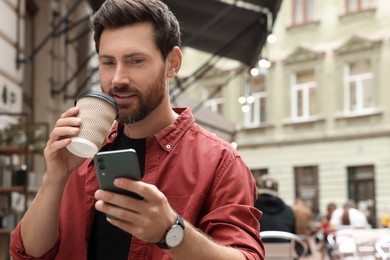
168,146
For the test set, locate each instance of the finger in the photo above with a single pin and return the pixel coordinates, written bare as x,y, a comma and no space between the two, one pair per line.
60,133
64,131
71,112
116,211
57,145
128,221
147,191
68,121
123,201
69,118
131,227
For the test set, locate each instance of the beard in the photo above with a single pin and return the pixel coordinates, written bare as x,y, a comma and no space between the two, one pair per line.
147,101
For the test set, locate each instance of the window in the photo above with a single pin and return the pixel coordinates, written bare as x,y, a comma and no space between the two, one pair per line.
353,6
303,95
303,11
361,189
358,78
306,186
258,174
214,100
256,102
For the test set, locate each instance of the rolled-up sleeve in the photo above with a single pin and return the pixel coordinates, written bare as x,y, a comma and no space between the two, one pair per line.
231,219
18,252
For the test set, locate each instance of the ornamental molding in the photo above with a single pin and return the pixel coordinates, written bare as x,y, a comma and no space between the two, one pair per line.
303,54
358,43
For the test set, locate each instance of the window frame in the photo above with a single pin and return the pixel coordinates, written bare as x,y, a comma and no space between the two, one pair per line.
359,92
307,186
362,188
307,12
361,5
306,102
253,117
214,104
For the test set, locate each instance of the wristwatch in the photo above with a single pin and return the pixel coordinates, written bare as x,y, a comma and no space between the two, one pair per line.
174,235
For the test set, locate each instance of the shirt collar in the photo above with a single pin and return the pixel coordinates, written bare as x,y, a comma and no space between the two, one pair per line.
167,137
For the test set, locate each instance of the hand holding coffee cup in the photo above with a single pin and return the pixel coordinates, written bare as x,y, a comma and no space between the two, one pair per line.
98,112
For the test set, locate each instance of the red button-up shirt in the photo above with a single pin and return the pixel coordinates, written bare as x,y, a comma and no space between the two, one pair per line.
203,177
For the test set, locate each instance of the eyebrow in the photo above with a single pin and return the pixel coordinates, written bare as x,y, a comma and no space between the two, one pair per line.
130,55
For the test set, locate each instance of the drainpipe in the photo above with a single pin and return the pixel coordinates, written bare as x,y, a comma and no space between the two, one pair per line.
18,34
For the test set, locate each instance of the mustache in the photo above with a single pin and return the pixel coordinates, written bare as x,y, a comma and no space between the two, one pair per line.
123,89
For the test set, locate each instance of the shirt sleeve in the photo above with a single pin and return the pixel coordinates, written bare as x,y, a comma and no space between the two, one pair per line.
358,219
232,218
18,252
335,219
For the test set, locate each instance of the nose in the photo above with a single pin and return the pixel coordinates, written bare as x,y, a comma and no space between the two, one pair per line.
120,77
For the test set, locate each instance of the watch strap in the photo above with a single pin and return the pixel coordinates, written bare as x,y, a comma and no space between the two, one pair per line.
163,244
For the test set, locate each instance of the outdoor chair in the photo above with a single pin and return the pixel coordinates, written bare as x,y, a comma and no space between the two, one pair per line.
382,248
344,244
294,246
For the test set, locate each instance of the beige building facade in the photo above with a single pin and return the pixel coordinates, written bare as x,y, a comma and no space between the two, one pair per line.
318,119
43,45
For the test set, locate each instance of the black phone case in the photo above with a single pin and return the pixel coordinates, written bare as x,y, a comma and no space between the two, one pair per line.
114,164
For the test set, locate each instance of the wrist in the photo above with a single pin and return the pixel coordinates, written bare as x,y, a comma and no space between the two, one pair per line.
174,235
53,181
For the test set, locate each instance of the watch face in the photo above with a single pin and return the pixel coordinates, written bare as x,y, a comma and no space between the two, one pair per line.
174,236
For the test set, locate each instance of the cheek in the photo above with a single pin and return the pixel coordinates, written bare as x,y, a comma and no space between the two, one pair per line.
104,78
143,77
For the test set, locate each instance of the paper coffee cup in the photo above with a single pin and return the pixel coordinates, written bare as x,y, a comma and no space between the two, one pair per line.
98,112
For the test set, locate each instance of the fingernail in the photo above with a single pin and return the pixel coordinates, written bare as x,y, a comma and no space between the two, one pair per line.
99,204
117,182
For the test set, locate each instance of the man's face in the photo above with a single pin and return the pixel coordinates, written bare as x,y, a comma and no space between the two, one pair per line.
132,70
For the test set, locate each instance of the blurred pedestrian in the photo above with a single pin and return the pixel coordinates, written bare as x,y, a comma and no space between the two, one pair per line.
385,220
304,221
330,209
327,229
277,215
346,217
303,217
349,216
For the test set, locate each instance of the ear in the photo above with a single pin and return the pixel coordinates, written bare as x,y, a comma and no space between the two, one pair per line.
174,62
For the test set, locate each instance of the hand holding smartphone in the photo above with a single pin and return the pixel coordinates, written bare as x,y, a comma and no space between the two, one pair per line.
115,164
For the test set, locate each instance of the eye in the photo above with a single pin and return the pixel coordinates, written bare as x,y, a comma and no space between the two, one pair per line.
137,61
107,63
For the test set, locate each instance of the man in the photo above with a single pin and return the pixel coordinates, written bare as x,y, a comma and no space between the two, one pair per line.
194,185
277,215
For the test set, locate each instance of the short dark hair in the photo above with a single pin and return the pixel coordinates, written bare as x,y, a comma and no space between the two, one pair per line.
118,13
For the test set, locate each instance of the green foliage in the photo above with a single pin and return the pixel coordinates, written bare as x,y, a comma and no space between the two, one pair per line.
15,135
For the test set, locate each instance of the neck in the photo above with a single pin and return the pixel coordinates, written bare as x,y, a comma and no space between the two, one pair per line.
157,120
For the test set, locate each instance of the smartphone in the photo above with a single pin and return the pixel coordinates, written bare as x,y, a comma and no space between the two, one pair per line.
114,164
